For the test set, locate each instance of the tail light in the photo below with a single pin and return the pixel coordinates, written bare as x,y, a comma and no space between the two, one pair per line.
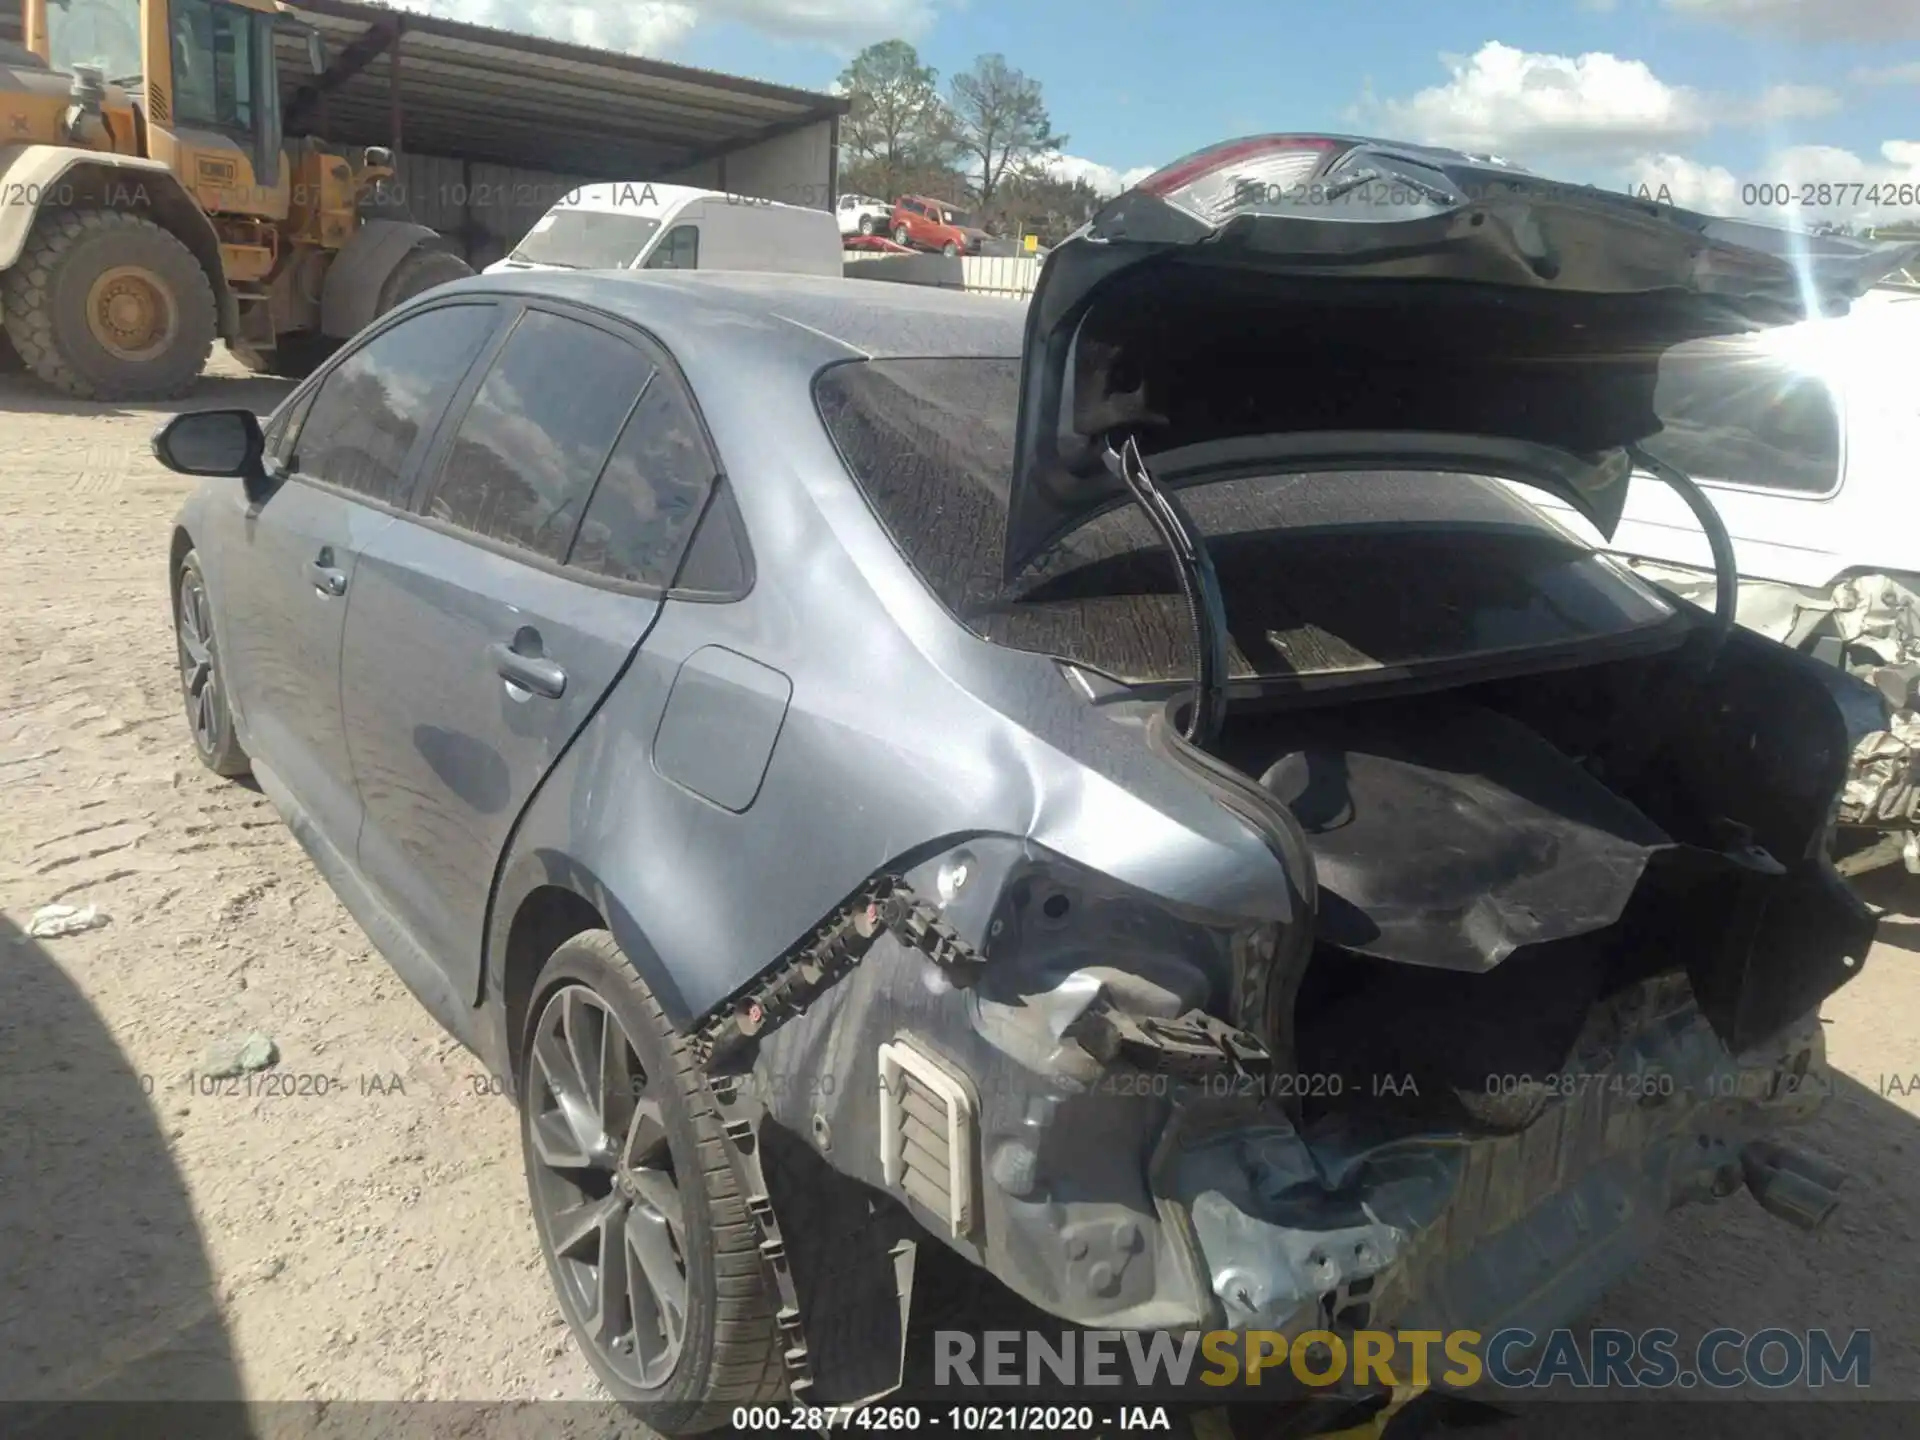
1211,184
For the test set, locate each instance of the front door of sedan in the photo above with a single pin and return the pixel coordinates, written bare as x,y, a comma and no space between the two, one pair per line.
290,561
473,652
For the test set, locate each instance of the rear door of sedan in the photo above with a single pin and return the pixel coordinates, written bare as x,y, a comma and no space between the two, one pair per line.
474,652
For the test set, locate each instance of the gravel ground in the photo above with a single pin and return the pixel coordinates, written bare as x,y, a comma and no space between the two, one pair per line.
362,1233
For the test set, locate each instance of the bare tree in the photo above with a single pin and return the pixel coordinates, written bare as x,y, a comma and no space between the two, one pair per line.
1000,124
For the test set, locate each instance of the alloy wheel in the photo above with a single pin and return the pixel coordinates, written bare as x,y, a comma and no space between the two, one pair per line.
199,666
604,1189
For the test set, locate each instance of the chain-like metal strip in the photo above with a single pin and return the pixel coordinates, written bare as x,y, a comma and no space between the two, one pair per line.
1195,1044
809,970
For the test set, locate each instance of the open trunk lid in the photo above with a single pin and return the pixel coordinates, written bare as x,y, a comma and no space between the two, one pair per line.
1333,303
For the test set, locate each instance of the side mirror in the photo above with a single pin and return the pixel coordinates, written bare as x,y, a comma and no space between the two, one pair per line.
212,442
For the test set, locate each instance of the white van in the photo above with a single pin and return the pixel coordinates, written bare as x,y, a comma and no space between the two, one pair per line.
625,225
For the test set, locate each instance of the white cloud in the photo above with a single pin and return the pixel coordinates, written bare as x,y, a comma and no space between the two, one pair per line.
1790,102
1813,19
1812,184
1711,189
830,22
654,27
1592,107
649,27
1908,74
1103,178
1510,100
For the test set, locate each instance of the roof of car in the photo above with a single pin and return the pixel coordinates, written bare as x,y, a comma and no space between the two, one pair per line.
830,316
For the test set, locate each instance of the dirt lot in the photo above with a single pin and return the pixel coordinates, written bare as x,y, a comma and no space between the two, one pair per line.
372,1242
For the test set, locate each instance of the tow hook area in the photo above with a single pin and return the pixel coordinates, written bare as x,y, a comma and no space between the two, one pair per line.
1796,1186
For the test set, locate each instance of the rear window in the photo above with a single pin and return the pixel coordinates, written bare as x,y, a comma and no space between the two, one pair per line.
1734,414
1323,574
586,240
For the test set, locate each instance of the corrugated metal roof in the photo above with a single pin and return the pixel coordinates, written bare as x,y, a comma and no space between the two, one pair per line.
487,94
479,93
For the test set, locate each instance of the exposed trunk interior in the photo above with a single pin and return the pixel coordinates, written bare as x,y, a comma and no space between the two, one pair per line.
1494,861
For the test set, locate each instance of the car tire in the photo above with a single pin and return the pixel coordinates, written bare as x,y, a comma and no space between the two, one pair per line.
900,236
203,684
660,1188
949,249
106,305
866,225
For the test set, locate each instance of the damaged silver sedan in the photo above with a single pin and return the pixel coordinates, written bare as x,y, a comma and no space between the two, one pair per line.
1120,794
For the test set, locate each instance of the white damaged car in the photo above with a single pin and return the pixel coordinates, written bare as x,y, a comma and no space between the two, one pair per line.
1808,439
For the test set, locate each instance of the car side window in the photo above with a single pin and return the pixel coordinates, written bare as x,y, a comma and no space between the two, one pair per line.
379,403
650,495
679,249
537,433
1735,414
283,431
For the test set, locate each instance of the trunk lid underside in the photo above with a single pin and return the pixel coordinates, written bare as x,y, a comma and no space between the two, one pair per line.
1321,303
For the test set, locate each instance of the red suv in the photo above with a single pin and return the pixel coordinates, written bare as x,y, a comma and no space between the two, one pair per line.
929,224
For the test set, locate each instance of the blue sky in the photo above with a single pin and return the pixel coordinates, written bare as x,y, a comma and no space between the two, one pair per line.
1704,97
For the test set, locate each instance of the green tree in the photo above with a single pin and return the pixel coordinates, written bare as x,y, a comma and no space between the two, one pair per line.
999,125
896,130
1044,204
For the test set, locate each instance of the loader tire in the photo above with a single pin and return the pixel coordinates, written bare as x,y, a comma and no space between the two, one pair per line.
419,271
107,305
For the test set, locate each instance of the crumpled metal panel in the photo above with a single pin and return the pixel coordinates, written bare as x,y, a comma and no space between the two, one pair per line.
1874,613
1355,1219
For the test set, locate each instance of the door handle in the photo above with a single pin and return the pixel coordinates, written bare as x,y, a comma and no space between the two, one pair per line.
326,579
530,672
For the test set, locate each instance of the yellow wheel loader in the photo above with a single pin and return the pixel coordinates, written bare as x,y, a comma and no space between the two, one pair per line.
150,204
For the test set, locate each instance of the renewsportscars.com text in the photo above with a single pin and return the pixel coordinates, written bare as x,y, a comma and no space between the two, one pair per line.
1516,1359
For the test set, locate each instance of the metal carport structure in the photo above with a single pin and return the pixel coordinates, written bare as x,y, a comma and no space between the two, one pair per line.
492,127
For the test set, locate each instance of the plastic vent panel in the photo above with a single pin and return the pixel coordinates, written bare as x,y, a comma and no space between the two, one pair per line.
927,1134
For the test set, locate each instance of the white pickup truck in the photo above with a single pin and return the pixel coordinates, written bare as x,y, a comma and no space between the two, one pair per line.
1807,439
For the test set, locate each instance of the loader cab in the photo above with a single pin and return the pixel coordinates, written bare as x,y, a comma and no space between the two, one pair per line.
204,73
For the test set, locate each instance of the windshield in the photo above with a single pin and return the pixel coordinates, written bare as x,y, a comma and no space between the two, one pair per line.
586,240
213,65
1323,574
102,33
